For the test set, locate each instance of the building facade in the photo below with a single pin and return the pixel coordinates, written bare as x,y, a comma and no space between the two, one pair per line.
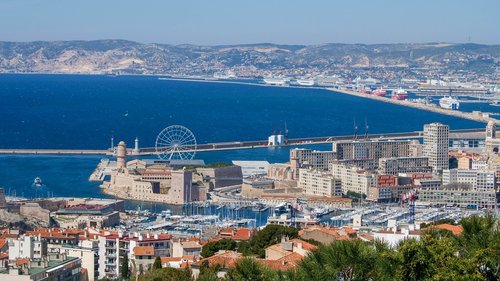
319,183
376,149
353,179
436,145
396,165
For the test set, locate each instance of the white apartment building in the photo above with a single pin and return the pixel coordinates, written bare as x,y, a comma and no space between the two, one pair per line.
352,178
436,142
477,179
319,183
88,252
31,247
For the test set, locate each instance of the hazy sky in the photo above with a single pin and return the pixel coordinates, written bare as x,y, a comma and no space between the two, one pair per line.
233,21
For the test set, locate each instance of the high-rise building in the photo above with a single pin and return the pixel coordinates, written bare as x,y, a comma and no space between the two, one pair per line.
436,145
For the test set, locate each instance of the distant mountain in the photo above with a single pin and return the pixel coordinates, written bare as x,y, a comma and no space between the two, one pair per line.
112,56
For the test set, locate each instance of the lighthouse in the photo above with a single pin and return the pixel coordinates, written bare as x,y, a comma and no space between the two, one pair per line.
136,147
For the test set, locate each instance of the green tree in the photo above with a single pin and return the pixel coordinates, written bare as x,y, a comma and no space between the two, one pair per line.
480,242
211,248
414,260
247,269
124,270
157,263
270,235
347,260
167,274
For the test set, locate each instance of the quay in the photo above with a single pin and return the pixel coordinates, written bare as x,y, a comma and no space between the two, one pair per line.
242,144
436,109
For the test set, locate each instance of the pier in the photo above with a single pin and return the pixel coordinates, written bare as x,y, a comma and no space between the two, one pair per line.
242,144
433,108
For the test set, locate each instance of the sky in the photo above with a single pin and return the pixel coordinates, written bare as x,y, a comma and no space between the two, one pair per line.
216,22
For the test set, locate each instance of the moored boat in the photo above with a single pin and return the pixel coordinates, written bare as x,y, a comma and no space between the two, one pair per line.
449,103
379,92
399,94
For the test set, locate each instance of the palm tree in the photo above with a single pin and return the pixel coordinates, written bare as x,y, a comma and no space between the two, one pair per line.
347,260
247,269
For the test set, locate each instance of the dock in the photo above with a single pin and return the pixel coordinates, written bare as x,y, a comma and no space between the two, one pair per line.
432,108
241,144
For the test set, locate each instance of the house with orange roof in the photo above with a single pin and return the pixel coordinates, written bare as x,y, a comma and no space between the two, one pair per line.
143,258
327,235
237,234
287,247
455,229
283,264
186,248
226,260
4,247
177,262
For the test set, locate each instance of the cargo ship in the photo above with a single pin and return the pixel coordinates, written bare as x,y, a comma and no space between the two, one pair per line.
399,94
379,92
449,103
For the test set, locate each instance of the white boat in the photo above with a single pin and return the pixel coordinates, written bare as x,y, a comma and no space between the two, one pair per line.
495,103
305,82
275,81
449,103
37,182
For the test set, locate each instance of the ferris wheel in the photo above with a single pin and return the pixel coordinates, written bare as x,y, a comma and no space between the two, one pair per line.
175,142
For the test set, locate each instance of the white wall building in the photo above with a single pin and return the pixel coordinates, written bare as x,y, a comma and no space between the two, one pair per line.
475,178
319,183
352,178
31,247
436,142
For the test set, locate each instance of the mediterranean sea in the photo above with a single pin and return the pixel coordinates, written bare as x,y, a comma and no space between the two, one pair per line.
85,111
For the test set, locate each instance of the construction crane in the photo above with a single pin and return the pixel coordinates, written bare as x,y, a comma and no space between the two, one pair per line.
410,197
294,208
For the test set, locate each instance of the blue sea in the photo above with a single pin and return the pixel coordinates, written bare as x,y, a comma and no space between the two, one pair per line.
85,111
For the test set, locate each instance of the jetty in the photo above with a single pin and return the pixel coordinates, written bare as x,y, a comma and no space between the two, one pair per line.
248,144
474,116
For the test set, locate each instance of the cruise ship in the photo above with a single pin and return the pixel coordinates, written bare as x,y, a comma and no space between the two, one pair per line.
275,81
305,82
449,103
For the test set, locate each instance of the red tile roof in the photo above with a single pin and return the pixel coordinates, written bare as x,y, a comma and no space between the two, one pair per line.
455,229
144,251
242,234
226,260
20,262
